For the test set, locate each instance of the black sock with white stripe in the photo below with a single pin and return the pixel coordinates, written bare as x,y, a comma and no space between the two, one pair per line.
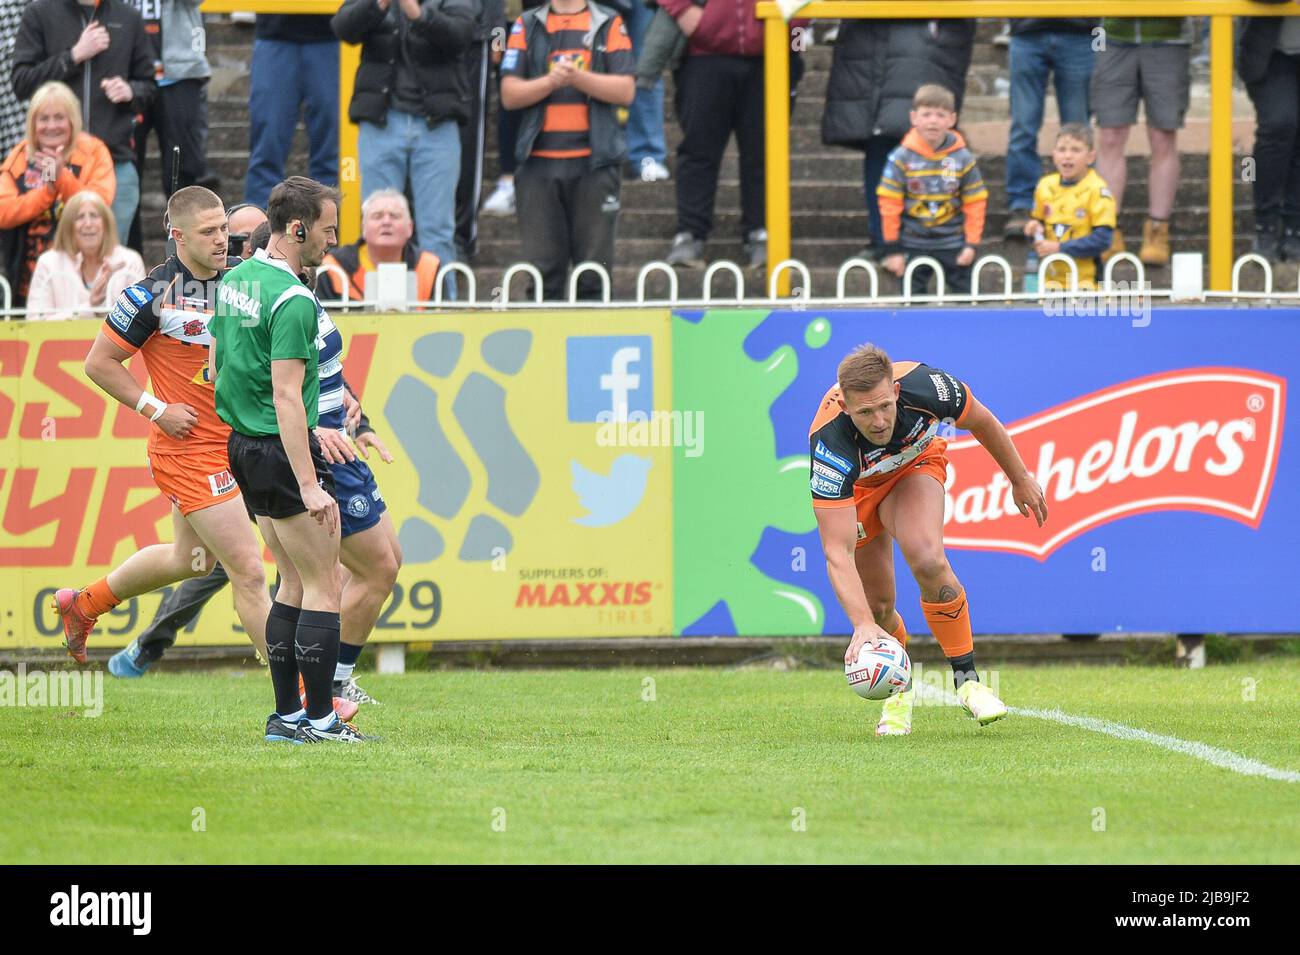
281,626
316,647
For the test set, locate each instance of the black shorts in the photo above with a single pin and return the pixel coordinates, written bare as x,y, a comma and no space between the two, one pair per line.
265,477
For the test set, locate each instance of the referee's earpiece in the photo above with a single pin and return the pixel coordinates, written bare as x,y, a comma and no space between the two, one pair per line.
298,232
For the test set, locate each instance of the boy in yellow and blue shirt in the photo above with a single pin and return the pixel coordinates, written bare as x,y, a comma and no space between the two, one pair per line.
1074,212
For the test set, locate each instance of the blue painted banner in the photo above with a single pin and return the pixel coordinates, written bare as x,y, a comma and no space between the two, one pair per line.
1160,442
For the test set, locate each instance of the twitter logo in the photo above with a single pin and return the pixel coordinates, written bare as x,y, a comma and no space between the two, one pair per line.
610,498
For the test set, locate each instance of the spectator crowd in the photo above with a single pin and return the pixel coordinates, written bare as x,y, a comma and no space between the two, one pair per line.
579,93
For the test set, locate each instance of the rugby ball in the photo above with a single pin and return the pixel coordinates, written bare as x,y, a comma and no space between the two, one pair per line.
881,670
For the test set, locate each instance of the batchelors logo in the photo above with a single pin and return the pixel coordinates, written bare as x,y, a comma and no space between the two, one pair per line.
1196,439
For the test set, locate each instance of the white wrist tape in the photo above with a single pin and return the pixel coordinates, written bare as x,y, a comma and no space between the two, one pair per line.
148,399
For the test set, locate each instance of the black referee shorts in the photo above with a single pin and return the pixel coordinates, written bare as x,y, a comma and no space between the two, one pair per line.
265,477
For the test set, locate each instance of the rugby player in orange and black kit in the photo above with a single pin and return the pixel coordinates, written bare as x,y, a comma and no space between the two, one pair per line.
877,472
165,318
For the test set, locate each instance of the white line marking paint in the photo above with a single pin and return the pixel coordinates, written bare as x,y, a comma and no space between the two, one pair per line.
1225,759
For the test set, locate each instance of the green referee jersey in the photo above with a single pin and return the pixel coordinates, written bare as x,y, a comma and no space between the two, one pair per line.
263,313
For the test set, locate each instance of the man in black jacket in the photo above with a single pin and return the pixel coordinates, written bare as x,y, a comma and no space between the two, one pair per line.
1268,59
100,50
411,96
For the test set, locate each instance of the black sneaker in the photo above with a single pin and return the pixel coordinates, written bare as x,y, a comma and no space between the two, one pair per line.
1266,240
338,731
281,731
349,690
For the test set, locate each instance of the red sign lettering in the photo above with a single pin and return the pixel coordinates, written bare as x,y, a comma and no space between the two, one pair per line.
1197,439
50,360
356,363
117,522
21,517
618,594
13,355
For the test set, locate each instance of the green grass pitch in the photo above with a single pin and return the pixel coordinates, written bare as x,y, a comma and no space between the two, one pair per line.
720,766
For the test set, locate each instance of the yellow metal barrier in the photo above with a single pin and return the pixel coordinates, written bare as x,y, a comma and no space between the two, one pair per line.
349,60
1221,12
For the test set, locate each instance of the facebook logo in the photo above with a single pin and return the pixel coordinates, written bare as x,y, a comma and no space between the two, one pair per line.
610,377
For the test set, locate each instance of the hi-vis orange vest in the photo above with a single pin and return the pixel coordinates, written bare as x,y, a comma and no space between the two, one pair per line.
349,259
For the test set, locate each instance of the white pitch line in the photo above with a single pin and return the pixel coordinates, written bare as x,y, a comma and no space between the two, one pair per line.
1223,758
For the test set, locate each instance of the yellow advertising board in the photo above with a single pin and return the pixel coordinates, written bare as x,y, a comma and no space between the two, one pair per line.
522,507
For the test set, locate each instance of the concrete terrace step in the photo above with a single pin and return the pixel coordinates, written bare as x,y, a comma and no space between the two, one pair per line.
832,224
825,166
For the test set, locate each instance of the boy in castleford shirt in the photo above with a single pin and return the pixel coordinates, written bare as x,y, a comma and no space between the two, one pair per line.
932,198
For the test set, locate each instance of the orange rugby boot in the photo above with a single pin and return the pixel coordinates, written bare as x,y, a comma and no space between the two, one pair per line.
76,624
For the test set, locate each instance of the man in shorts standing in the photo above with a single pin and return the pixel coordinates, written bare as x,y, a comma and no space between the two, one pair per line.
266,366
166,319
1148,60
877,470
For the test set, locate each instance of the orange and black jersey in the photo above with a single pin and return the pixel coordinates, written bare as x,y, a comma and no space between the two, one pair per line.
841,456
165,318
565,132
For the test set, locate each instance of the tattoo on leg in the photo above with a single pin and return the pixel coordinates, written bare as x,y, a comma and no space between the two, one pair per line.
946,593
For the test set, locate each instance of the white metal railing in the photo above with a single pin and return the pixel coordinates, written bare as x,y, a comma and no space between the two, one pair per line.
459,268
342,280
1073,268
1108,274
796,265
723,265
501,295
606,283
866,265
645,274
1263,264
525,268
1008,274
934,265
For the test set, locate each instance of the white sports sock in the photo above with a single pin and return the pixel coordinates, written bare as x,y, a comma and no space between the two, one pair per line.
343,671
325,722
293,717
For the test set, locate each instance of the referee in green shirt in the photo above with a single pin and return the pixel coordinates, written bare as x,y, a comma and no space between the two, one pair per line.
265,331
